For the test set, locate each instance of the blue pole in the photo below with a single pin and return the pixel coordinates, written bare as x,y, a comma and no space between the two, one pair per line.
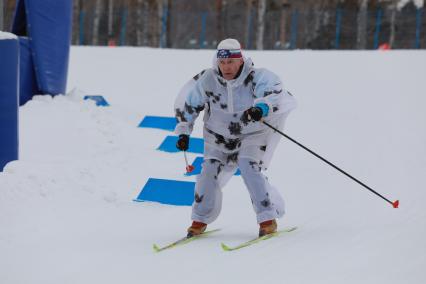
9,101
377,31
250,28
338,27
123,26
419,13
293,36
163,42
81,28
203,29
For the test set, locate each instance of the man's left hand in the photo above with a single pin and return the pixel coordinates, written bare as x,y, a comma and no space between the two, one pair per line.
253,114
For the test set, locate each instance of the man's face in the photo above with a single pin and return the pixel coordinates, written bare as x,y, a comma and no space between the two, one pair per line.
229,67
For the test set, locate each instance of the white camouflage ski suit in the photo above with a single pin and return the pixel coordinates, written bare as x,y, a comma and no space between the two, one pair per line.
231,142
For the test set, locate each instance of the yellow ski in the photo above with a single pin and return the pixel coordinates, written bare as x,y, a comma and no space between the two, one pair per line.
256,240
182,241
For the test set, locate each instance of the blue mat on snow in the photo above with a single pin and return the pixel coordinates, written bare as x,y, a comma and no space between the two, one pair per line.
100,101
197,167
196,145
165,191
159,122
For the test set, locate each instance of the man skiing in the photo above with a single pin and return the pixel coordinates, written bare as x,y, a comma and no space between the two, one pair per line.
235,97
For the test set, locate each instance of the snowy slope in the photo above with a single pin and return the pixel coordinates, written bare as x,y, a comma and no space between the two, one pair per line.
66,209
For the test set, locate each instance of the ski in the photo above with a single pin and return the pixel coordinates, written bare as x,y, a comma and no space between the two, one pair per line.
182,241
256,240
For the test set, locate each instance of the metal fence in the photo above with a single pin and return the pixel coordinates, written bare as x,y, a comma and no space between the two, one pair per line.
337,28
309,29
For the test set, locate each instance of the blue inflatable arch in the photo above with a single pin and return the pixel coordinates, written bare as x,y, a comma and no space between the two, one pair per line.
44,28
35,62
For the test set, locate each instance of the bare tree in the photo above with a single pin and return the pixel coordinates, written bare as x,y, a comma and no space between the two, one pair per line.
110,17
361,38
76,22
96,21
249,4
260,24
154,23
219,25
317,19
285,7
145,25
161,4
393,8
139,23
1,15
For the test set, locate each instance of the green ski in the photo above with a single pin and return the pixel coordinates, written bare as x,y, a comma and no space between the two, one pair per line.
256,240
182,241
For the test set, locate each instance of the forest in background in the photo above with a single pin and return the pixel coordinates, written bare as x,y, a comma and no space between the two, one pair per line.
257,24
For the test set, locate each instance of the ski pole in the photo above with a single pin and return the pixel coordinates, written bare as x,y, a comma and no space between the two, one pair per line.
395,204
189,168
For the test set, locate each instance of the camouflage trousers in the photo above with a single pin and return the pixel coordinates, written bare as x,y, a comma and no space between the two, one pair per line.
267,201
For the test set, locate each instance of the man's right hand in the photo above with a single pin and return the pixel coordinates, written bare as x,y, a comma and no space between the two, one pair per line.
183,142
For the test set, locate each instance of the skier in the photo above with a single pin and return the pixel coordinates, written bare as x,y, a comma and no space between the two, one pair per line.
235,97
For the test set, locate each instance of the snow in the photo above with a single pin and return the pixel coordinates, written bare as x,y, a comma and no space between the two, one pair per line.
6,35
66,207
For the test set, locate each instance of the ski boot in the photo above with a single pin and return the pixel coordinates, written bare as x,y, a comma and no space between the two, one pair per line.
267,227
197,228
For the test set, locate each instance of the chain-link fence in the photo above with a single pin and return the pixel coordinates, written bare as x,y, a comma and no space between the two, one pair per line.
286,28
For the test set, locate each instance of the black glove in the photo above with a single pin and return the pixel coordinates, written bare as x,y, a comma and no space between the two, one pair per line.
183,142
253,114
